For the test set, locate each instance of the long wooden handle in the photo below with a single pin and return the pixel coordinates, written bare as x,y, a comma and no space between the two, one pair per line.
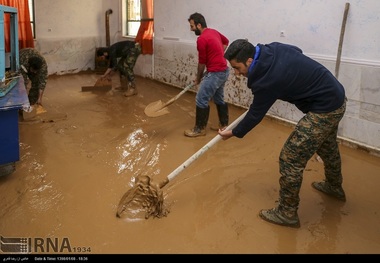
342,30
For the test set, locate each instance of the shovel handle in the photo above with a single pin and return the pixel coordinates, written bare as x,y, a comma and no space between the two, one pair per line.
343,28
200,152
178,95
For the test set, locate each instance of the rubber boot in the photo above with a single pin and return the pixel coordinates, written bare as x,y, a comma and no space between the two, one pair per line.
132,90
123,84
223,117
201,119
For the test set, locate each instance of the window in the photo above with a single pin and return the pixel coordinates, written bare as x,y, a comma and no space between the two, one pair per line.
31,12
133,15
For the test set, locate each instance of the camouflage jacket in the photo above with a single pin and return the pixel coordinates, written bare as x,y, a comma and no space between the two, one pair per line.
40,78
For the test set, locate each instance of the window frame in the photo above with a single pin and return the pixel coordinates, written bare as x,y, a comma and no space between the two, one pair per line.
126,21
32,17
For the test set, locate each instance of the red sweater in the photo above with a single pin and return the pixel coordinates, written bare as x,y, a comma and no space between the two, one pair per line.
211,51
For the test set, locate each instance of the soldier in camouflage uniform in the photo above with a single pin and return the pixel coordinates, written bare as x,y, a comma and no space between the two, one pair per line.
279,71
34,69
122,57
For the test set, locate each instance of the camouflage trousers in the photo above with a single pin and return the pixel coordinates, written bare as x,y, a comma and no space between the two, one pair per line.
37,81
127,63
314,133
33,95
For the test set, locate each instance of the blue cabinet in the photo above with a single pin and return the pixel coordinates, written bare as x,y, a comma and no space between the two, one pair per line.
13,95
13,34
10,104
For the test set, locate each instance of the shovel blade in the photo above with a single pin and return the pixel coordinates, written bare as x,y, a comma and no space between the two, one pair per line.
100,85
156,109
36,110
40,109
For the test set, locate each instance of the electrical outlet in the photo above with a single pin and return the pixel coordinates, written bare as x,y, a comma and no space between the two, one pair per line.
282,33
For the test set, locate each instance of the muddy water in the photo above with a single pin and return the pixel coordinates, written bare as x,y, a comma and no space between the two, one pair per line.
79,158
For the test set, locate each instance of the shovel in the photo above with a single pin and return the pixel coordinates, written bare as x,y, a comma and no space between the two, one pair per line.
148,196
32,112
102,84
158,108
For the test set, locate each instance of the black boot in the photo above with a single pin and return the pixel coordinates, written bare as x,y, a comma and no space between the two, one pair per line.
201,119
223,117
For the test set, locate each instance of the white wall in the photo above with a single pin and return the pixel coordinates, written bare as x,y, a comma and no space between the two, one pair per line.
312,25
78,27
68,32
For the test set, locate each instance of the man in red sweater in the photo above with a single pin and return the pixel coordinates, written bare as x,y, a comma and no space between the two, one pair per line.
212,74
